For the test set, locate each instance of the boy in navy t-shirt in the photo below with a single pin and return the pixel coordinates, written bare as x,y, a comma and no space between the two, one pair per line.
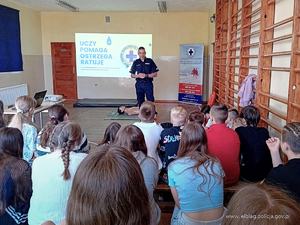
170,139
286,176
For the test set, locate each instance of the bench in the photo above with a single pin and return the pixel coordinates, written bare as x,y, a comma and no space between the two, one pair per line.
167,203
162,187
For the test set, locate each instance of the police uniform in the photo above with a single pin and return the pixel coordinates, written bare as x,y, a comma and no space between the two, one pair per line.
144,86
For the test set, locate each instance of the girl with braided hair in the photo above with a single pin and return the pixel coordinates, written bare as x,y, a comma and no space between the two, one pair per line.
22,120
52,175
286,176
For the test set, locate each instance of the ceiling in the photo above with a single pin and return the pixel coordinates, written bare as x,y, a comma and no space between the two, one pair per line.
121,5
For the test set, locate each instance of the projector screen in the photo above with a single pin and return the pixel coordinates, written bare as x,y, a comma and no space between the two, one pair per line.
109,55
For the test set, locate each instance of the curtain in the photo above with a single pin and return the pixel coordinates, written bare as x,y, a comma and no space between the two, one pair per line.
10,41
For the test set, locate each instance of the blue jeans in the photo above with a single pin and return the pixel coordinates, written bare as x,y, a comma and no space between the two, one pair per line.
144,88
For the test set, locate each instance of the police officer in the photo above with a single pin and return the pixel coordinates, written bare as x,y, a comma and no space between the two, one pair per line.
143,69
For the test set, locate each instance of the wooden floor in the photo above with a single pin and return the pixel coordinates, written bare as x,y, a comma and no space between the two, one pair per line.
93,124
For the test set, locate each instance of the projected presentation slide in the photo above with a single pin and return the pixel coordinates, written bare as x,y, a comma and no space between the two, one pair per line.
109,55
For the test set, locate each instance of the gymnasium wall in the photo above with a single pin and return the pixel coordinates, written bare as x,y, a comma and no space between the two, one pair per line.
211,40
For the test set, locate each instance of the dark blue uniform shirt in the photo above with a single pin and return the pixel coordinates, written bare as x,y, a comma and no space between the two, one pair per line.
147,67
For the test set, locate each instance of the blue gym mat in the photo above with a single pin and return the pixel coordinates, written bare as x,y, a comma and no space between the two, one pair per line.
91,102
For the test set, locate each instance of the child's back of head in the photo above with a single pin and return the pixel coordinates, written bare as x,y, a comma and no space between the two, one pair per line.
219,112
147,112
291,135
11,142
57,114
196,116
110,133
251,115
232,115
265,204
117,173
178,116
205,109
25,108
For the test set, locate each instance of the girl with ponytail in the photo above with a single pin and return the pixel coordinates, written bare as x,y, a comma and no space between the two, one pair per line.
22,120
52,175
57,114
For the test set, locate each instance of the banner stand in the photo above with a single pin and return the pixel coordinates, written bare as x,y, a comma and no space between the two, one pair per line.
191,73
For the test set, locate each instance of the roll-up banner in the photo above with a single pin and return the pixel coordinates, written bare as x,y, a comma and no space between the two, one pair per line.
191,73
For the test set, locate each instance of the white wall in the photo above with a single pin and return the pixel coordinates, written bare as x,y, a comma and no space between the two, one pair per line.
168,30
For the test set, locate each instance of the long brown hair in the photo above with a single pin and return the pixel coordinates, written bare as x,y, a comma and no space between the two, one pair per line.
24,104
56,115
11,142
193,144
108,188
264,201
110,133
65,136
14,186
132,138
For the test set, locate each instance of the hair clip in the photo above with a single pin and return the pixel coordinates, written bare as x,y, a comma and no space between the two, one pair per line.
20,111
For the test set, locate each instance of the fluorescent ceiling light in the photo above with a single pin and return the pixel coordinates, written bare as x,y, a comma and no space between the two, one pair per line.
67,5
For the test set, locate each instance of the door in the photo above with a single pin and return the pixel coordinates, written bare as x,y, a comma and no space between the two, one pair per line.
64,69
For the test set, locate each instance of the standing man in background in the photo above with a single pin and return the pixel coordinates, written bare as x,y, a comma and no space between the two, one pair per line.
143,69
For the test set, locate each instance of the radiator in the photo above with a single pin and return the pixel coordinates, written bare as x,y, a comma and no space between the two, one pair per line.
8,95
